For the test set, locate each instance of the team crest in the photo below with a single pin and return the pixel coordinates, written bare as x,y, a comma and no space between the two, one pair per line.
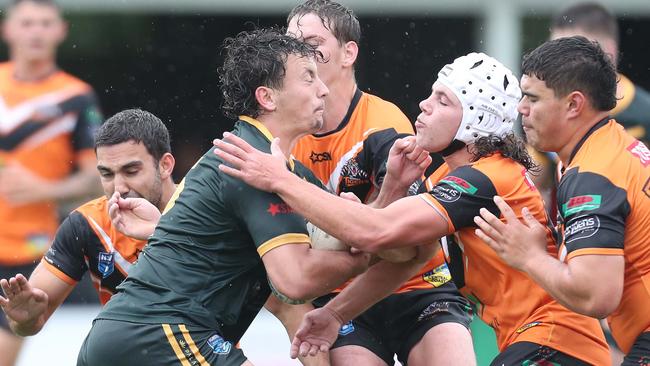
219,345
106,263
346,328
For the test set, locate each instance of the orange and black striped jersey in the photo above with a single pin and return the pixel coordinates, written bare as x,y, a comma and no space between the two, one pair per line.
604,206
88,241
46,127
353,158
506,299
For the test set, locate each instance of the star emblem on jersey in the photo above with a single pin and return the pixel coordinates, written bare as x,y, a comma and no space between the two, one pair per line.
279,208
320,157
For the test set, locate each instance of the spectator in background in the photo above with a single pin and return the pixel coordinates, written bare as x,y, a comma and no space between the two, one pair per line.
47,120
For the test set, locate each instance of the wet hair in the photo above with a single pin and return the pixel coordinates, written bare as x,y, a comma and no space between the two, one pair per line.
14,3
253,59
589,17
135,125
574,64
337,18
510,146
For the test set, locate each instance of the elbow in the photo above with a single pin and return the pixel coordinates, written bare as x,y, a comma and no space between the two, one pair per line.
599,309
297,288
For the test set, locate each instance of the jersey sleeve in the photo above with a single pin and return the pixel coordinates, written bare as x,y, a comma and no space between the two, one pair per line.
89,118
66,257
270,222
593,211
460,195
376,148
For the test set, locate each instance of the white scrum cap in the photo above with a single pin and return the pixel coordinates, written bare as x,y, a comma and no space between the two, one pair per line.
489,93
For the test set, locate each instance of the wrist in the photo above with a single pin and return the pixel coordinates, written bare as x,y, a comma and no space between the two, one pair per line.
335,314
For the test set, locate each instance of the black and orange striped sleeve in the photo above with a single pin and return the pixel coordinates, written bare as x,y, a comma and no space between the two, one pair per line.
66,257
593,211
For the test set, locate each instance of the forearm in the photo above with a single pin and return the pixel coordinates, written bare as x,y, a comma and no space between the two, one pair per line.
324,271
561,283
289,315
379,281
349,221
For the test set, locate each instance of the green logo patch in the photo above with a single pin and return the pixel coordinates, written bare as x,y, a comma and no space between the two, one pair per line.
581,203
459,184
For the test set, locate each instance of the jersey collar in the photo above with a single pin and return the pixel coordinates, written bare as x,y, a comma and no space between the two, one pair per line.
584,138
265,131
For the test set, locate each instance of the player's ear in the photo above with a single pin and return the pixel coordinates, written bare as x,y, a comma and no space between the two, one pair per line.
166,165
351,50
265,97
576,102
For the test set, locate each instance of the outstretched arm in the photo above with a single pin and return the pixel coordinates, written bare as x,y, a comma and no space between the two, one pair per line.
319,328
29,304
406,222
523,246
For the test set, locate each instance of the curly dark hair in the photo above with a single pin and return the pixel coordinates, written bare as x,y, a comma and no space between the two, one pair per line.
510,146
253,59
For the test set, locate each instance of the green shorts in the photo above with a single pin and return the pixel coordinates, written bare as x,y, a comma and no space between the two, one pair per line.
115,342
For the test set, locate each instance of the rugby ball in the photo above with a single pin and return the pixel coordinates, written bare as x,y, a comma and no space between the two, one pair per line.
324,241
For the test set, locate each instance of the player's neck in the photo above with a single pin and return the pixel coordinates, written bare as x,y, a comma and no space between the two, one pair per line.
28,70
459,158
337,103
168,189
582,127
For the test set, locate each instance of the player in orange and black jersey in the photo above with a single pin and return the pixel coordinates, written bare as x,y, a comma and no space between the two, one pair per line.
47,119
468,118
603,195
349,155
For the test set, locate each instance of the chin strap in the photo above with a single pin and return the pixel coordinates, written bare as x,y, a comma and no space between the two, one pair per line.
454,146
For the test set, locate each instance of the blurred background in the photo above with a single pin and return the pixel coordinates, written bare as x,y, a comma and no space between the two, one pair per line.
162,56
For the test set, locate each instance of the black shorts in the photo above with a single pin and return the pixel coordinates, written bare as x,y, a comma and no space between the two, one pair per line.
397,323
7,272
639,355
113,342
529,353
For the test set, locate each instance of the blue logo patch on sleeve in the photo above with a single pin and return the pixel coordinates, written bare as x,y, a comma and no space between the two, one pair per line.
106,263
219,345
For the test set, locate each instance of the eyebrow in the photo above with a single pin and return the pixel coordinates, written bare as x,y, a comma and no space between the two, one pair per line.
443,94
130,164
529,95
314,36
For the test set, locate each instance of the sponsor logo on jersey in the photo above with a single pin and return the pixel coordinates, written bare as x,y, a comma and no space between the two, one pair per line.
434,309
445,193
438,276
106,263
346,328
459,184
279,208
540,362
581,228
320,157
641,151
581,203
219,345
525,327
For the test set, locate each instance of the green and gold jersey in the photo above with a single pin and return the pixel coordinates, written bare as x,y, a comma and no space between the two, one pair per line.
203,264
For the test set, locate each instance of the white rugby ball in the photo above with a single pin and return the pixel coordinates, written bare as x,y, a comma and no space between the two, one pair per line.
324,241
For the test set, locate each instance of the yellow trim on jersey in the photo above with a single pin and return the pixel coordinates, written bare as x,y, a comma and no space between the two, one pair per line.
259,125
193,348
172,200
265,131
628,91
291,238
177,349
594,251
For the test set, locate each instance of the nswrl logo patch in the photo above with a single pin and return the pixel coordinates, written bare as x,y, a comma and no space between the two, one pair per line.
106,263
219,345
581,203
346,328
